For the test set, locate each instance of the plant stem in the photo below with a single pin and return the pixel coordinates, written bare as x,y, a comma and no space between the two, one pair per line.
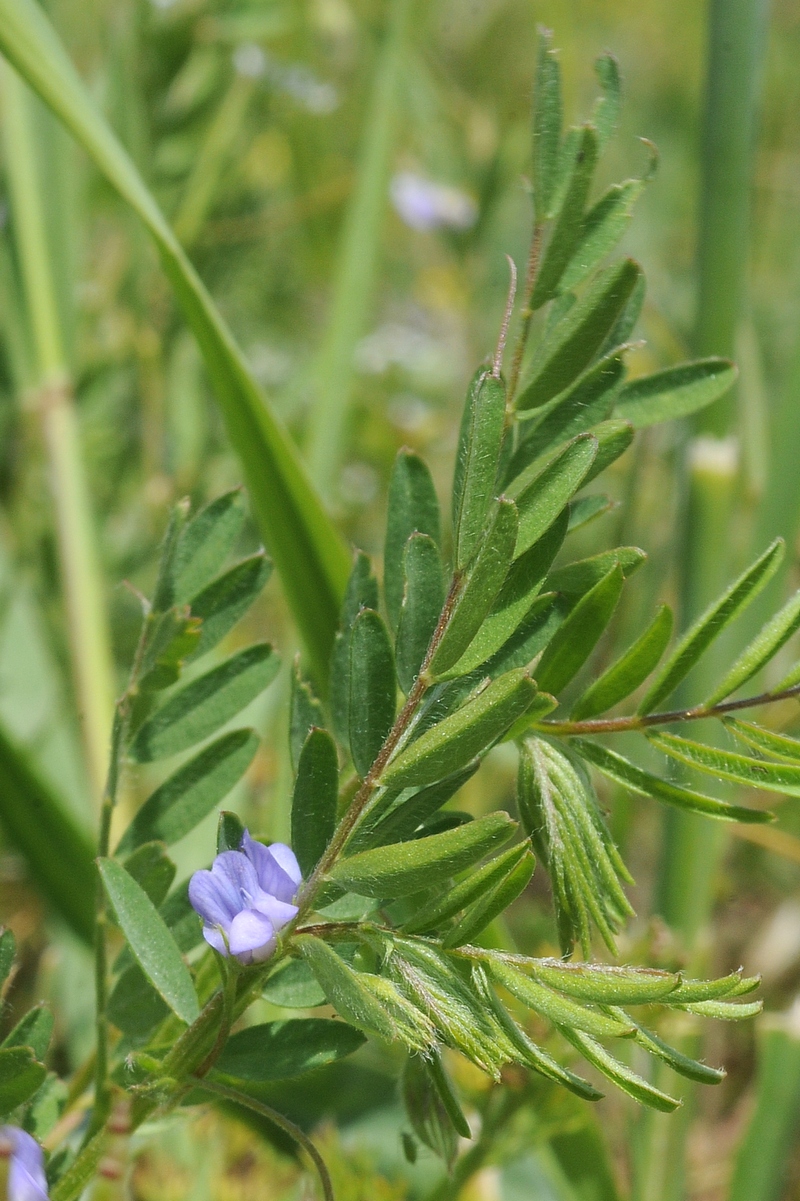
89,637
531,271
272,1115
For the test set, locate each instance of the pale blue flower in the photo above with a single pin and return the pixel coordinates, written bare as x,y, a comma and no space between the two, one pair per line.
26,1178
426,205
247,898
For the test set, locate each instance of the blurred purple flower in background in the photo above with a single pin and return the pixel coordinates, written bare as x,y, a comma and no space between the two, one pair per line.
26,1178
246,898
426,205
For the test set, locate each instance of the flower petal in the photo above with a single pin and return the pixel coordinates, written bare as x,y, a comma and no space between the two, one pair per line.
251,936
278,912
26,1178
278,874
213,936
214,898
238,874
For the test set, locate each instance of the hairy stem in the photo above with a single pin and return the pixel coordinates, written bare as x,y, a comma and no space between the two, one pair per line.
619,725
272,1115
531,271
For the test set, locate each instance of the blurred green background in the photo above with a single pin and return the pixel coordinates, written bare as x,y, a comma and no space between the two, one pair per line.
291,144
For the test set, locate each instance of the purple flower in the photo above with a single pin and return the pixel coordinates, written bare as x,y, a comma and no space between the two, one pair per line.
246,898
26,1178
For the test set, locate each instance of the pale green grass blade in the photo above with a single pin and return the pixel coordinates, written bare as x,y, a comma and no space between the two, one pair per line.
308,551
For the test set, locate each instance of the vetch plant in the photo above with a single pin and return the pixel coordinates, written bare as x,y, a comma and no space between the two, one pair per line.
479,633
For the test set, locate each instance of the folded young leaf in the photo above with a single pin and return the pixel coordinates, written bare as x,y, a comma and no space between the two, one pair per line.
629,671
230,832
601,229
689,992
568,225
559,1010
711,623
226,600
485,909
412,508
586,508
20,1077
468,732
577,578
675,392
305,711
764,646
622,1076
171,638
477,459
602,983
373,688
192,792
541,501
684,1065
458,897
404,868
575,640
585,403
152,944
422,603
546,126
728,765
525,1050
370,1003
283,1050
579,335
637,780
202,706
314,801
778,746
725,1011
479,588
204,544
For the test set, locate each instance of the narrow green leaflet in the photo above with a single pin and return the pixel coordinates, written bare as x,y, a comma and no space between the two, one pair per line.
8,949
422,604
629,671
230,832
152,870
579,335
192,792
636,779
576,578
40,826
408,867
605,116
199,708
402,821
622,1076
575,640
568,225
294,986
734,985
585,403
152,944
557,1009
34,1030
20,1077
282,1050
204,544
778,746
361,593
601,229
221,605
466,891
626,322
305,711
602,983
741,769
492,904
134,1006
482,581
412,508
541,501
586,508
307,548
724,1011
711,623
373,688
517,600
468,732
767,643
675,392
477,459
426,1110
613,439
316,791
546,126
